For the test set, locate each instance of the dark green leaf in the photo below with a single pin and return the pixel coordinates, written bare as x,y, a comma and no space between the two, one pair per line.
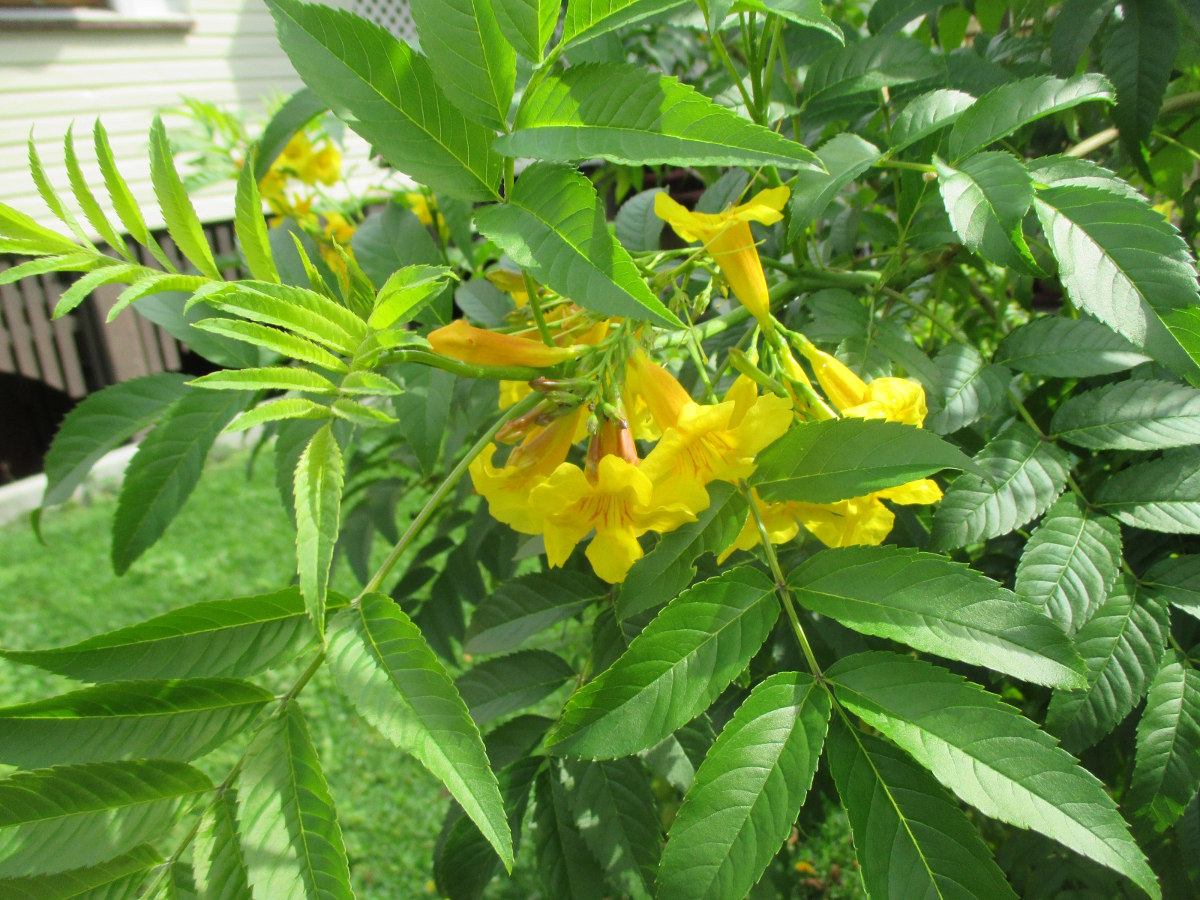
217,860
867,65
320,477
523,607
638,228
1176,581
1138,56
970,388
116,879
1131,415
1163,495
499,687
1166,775
986,197
926,115
845,157
566,867
890,16
1076,25
300,109
1067,348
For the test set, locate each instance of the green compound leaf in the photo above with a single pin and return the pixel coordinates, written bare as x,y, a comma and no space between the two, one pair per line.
566,866
217,861
273,339
528,24
291,840
113,880
53,820
845,157
938,606
320,478
1122,645
1175,581
1166,773
748,791
911,838
180,216
134,719
1162,495
1067,348
1131,415
1123,263
990,755
986,197
498,687
588,19
1138,56
1026,475
384,666
123,202
1070,562
1077,23
390,96
673,670
165,469
87,200
926,115
297,309
865,66
267,378
216,638
626,114
554,226
822,462
970,388
1000,112
520,608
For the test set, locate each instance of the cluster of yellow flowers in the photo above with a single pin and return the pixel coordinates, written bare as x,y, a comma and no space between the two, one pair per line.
616,396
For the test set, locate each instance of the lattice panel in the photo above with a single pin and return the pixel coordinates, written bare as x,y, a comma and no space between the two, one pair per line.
394,15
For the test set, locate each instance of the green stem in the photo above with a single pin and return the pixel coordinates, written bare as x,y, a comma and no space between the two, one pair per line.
902,164
727,62
1104,138
535,304
466,370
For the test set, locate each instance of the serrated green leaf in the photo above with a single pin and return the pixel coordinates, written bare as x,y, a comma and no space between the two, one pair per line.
566,867
297,309
50,196
1076,25
117,879
986,197
867,65
990,755
1000,112
87,200
822,462
217,861
266,378
405,292
360,413
470,58
554,226
588,19
520,608
102,422
1067,348
123,202
17,226
1026,475
673,670
53,820
299,109
805,13
154,283
83,287
1122,644
627,114
1070,562
937,606
1162,495
616,816
158,719
386,243
911,839
320,478
217,638
970,389
1138,56
498,687
390,96
528,24
1131,415
926,115
286,821
1166,773
666,570
278,411
272,339
180,216
637,228
382,663
251,227
845,157
77,261
165,469
748,791
1184,324
1123,263
1175,580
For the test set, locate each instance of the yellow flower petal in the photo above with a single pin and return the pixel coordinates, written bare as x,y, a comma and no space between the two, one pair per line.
924,491
464,342
611,554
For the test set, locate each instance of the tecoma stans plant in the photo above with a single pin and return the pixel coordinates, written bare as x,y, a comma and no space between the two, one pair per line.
871,483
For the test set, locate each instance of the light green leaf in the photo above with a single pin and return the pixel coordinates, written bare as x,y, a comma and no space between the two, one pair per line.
390,96
123,202
867,65
1067,348
50,196
269,378
278,411
937,606
164,470
272,339
83,287
926,115
970,389
528,24
627,114
554,226
182,223
587,19
1138,55
1175,580
1070,171
986,198
470,58
1184,324
1025,476
1162,495
520,608
667,569
320,477
382,663
615,813
154,283
360,413
845,157
911,839
1131,415
286,821
102,422
217,861
159,719
215,638
822,462
495,688
1123,263
748,791
566,867
17,226
87,200
1122,645
1070,562
297,309
990,755
116,879
673,670
1166,773
78,261
805,13
1000,112
392,240
251,227
53,820
405,292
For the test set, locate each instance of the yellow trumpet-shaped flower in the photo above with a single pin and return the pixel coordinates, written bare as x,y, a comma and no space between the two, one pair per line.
324,166
512,283
464,342
727,237
846,523
891,399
